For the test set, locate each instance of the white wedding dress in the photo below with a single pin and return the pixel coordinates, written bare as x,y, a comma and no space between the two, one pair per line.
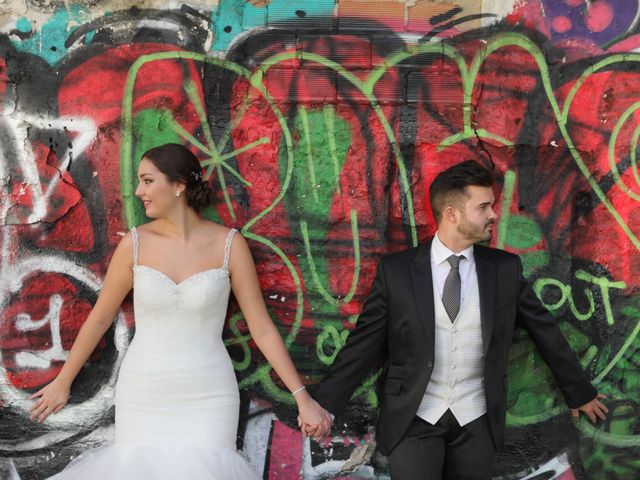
177,400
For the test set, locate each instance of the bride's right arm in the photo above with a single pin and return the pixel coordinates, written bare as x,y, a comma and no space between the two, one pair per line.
117,283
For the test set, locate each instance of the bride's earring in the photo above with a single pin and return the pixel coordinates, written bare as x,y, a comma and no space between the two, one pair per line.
177,193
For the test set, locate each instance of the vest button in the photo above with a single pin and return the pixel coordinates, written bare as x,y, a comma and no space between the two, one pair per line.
429,364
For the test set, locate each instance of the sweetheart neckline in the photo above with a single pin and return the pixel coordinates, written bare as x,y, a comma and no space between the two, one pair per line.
177,284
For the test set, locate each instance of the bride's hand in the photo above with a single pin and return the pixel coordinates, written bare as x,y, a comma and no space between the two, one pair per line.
313,419
51,399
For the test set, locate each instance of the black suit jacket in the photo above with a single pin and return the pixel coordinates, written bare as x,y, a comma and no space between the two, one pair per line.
397,326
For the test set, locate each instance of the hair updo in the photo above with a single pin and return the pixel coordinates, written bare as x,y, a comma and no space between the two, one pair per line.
180,165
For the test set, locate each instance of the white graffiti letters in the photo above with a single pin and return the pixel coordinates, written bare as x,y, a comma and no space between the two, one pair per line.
43,359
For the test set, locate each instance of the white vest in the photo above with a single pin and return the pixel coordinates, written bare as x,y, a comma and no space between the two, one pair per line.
457,380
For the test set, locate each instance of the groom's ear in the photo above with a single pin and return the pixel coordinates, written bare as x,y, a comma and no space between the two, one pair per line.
450,215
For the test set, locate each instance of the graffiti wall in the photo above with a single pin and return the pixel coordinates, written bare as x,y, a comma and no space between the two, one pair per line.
320,125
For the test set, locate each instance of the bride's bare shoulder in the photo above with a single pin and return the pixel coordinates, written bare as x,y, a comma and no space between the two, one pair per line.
151,228
213,229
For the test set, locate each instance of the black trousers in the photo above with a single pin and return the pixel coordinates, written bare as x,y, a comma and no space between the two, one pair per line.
444,451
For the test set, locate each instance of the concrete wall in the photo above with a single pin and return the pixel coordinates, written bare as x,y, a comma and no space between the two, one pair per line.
322,123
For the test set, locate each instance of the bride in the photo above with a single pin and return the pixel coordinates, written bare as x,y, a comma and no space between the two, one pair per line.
177,400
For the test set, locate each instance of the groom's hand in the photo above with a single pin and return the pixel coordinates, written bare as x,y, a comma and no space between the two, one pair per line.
313,419
310,430
594,409
319,430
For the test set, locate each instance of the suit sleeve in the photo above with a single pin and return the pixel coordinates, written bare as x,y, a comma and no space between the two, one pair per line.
550,342
365,348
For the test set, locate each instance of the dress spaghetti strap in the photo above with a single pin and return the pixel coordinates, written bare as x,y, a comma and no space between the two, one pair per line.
227,248
134,236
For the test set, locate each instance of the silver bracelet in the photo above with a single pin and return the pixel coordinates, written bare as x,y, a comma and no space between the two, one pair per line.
298,390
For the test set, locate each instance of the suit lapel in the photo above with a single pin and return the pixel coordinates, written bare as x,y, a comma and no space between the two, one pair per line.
486,271
422,282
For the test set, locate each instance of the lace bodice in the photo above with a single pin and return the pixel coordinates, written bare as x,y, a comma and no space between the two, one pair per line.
192,310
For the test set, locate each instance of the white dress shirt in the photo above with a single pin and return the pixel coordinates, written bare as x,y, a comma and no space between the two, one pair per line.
440,267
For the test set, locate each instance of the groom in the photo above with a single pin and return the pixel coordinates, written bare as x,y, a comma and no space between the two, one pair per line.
441,317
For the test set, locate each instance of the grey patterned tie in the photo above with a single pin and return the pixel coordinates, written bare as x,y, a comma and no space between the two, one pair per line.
451,291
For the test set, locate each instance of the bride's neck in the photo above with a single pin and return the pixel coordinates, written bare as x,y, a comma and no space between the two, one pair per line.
180,225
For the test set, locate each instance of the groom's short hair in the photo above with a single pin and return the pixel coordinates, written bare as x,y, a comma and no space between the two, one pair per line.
449,186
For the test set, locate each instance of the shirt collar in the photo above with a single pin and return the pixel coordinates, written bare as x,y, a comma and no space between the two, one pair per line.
440,252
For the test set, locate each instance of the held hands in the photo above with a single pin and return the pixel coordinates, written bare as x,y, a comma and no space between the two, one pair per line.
594,409
313,420
52,398
318,431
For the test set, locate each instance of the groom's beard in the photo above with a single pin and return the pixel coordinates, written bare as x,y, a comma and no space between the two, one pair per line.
476,233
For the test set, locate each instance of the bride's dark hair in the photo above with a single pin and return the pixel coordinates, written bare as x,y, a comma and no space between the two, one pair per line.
180,165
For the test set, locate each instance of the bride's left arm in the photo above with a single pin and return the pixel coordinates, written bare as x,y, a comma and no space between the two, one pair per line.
246,288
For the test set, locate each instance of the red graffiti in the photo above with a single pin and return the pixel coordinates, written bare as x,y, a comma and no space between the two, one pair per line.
39,326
